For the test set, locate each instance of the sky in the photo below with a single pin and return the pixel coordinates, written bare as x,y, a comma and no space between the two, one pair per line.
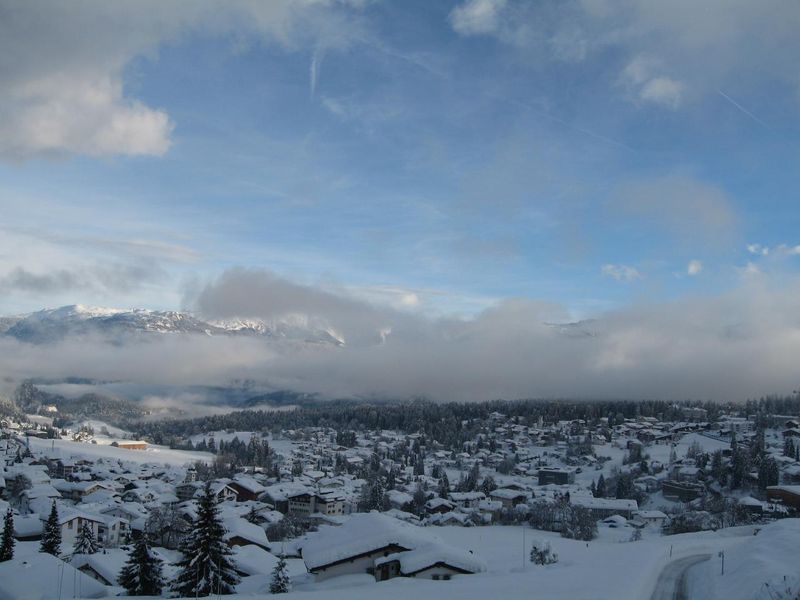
414,163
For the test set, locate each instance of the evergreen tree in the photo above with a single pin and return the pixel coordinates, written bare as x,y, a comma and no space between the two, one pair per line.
141,575
768,473
601,487
788,447
488,485
7,541
205,568
593,488
85,542
252,516
444,486
542,554
281,583
579,524
51,536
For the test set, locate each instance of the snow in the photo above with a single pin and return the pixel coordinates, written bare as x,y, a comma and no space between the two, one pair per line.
762,559
605,568
107,564
32,575
153,454
253,560
427,556
361,533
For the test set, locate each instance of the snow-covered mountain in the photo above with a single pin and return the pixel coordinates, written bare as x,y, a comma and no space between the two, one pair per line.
52,325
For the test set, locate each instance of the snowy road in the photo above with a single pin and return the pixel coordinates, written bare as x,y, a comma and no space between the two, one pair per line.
671,584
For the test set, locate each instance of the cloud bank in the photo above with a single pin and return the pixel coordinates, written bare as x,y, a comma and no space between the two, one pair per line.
729,347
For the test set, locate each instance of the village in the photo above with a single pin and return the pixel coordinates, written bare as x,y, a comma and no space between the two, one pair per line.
317,505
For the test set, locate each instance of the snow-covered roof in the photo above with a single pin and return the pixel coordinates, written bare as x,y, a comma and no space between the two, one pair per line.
507,494
360,534
432,554
253,560
238,527
107,564
248,483
604,503
462,496
23,579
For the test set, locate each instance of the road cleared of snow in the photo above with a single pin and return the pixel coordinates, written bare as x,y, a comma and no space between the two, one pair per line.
672,583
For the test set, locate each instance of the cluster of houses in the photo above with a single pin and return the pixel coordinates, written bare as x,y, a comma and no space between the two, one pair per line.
319,482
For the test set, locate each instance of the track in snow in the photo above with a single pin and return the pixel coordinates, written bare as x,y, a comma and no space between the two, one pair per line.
671,584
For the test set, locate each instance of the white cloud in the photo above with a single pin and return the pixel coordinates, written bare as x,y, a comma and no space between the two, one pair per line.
732,346
758,249
62,65
664,91
477,17
786,250
695,267
620,272
750,269
643,77
699,52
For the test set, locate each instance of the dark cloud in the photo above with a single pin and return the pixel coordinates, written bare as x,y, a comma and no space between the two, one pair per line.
113,277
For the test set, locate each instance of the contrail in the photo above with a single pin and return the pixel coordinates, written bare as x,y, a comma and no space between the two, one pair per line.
316,65
567,124
744,110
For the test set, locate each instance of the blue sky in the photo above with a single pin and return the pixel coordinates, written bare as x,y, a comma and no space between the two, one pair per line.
434,157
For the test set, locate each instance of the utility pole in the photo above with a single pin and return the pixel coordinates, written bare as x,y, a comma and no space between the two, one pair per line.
523,547
722,556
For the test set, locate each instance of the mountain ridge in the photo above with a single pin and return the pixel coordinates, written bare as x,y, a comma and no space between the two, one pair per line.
56,324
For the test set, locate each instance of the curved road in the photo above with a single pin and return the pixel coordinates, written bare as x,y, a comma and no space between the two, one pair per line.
671,584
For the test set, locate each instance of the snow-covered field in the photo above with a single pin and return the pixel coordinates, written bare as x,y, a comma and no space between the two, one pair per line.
755,569
153,454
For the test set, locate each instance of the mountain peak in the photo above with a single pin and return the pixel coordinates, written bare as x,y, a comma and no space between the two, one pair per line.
79,320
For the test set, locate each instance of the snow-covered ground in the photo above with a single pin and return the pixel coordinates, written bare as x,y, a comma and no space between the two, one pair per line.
755,569
153,454
605,568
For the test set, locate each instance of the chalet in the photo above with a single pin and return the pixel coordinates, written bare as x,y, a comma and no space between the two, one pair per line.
654,518
788,495
131,444
305,504
35,577
278,494
187,490
438,505
43,491
240,532
508,497
683,491
434,561
556,476
372,543
467,499
246,488
602,508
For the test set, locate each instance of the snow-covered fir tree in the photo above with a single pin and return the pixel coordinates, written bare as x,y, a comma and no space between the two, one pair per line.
7,541
51,535
280,583
542,554
141,575
85,542
205,568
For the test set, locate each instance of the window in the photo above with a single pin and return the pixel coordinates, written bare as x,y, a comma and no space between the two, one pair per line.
69,525
436,578
446,577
